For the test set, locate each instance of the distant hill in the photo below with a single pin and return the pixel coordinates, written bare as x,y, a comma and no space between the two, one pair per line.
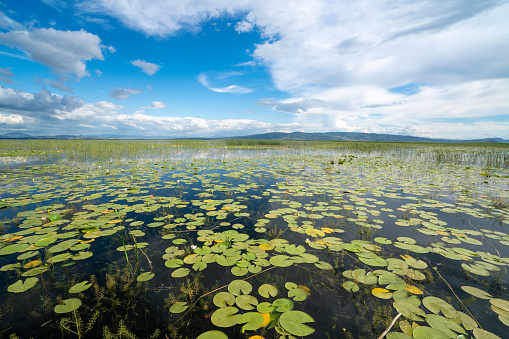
327,136
354,136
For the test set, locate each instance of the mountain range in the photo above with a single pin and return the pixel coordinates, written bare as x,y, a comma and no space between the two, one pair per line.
327,136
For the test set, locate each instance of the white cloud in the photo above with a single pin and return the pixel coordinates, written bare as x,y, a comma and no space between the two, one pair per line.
163,17
99,73
202,79
11,119
244,26
120,93
147,67
66,52
156,104
40,105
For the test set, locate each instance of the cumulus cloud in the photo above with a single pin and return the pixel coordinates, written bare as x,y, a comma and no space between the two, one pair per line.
236,89
120,93
156,104
41,104
147,67
244,27
66,52
11,119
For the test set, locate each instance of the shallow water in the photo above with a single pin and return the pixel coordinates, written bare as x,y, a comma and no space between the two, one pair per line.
347,213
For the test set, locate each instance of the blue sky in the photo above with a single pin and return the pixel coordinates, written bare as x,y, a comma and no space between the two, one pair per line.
195,68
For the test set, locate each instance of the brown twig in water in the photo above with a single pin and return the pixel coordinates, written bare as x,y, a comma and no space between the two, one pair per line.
461,302
485,240
146,256
390,326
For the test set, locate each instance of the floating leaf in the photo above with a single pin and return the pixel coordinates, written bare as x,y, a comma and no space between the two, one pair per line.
483,334
145,276
225,317
283,305
444,325
246,302
22,286
350,286
476,292
252,320
212,335
239,271
425,332
381,293
35,271
223,299
238,287
297,294
267,291
436,305
413,289
281,261
293,323
180,272
409,311
179,307
68,306
80,287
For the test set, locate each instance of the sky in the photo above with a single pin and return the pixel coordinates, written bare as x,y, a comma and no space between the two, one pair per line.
219,68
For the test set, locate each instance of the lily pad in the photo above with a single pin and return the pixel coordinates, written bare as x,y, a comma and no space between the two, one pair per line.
223,299
22,286
145,276
212,335
80,287
252,320
239,287
179,307
267,290
68,306
476,292
293,323
180,272
225,317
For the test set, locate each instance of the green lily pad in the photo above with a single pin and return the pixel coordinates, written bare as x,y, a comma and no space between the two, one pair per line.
145,276
476,292
212,335
350,286
22,286
223,299
265,307
9,249
199,266
179,307
246,302
409,311
35,271
475,269
293,323
174,263
483,334
295,250
225,317
252,320
239,271
297,294
180,272
267,290
68,306
425,332
283,305
281,261
436,305
63,246
323,265
80,287
239,287
444,325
